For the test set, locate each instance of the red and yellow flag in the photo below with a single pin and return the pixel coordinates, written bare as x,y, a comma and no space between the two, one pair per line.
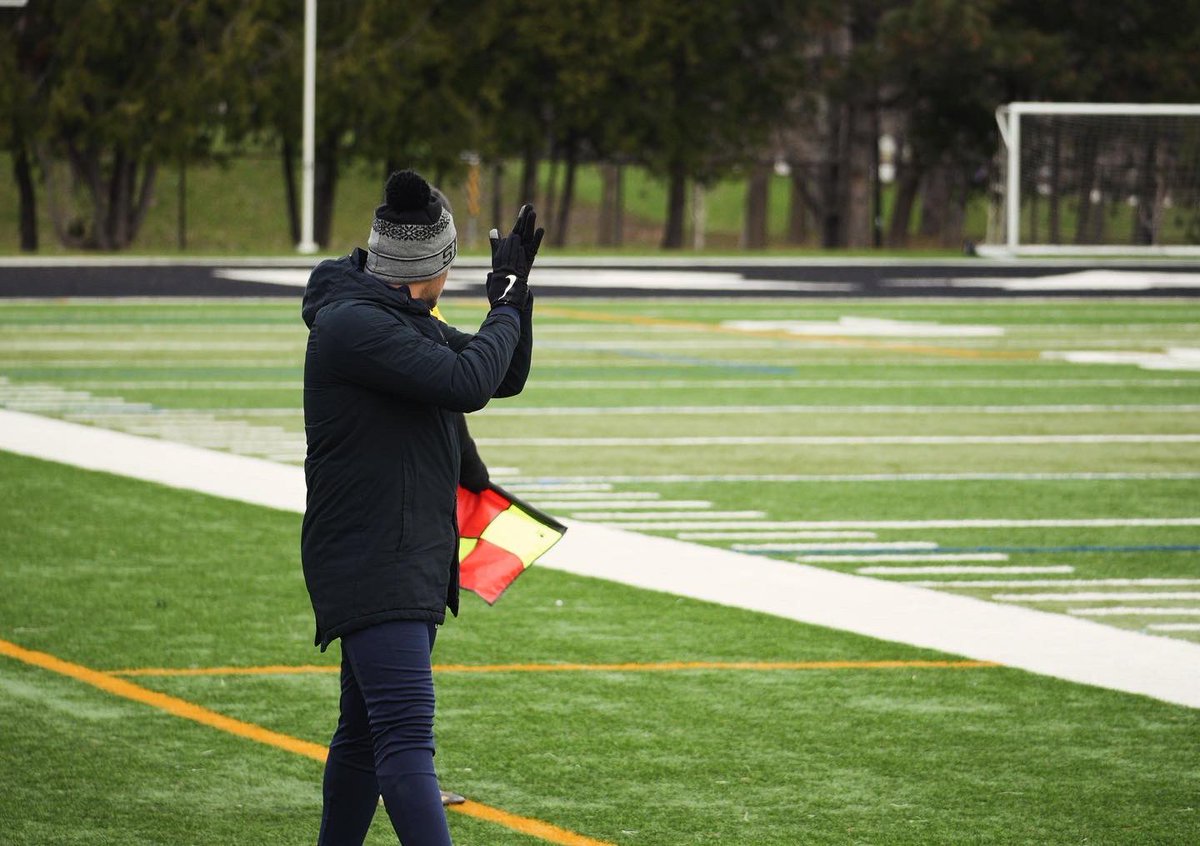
499,536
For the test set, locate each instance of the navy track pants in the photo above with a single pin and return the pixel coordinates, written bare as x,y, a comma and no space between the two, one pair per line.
384,739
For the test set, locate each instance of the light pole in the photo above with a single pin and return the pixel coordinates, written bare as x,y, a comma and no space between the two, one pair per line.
308,167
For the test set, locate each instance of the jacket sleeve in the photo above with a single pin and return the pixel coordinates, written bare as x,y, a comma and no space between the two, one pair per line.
365,346
472,473
518,367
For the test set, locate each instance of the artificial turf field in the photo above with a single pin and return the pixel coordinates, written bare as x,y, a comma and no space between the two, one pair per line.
633,405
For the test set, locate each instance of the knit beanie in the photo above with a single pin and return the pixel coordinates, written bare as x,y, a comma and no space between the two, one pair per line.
412,237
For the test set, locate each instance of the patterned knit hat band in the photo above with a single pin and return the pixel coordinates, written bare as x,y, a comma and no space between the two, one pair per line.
411,252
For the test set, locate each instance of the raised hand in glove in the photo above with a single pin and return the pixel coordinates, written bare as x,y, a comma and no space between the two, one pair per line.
512,258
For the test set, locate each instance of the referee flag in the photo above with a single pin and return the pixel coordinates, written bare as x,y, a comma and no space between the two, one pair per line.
499,536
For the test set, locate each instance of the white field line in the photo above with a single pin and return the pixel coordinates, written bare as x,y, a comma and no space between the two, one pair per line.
1059,583
576,498
655,384
727,536
803,547
1129,611
842,440
190,385
933,556
1174,627
635,343
1096,596
882,384
135,363
620,516
108,330
872,525
646,505
634,503
683,478
1052,644
953,570
559,489
147,345
704,410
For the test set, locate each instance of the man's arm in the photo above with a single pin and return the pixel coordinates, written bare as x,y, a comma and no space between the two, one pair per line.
366,346
518,368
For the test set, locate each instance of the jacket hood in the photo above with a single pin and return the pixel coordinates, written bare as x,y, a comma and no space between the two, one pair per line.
344,279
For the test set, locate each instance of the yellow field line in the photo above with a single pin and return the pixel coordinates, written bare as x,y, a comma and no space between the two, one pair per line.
627,667
196,713
919,349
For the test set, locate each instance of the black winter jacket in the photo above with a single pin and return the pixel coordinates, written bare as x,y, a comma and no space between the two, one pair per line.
384,388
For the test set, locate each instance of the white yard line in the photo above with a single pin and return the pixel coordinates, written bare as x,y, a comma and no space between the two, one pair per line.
1095,596
872,525
579,499
953,570
932,556
640,504
766,536
842,440
559,489
701,410
883,384
1123,611
686,478
1059,583
1052,644
1174,627
620,516
808,547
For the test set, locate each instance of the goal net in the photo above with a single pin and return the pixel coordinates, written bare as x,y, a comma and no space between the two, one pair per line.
1096,178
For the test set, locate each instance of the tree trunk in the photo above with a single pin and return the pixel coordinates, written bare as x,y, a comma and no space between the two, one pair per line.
559,238
797,229
699,215
1143,212
676,199
145,194
325,190
289,187
619,208
23,173
1055,183
1087,156
529,168
857,212
181,208
831,182
933,203
550,191
497,194
906,196
605,234
758,186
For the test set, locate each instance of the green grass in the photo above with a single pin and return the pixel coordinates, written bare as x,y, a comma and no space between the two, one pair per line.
112,574
238,207
905,757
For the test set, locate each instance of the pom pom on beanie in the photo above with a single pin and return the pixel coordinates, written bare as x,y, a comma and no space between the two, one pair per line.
406,191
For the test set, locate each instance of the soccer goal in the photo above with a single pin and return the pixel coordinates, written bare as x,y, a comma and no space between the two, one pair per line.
1096,178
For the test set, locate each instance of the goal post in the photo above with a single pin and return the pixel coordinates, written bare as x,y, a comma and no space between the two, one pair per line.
1096,179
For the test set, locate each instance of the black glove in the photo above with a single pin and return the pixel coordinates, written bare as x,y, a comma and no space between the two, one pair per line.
517,256
506,289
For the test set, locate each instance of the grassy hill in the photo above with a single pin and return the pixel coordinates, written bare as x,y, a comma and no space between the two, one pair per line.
239,208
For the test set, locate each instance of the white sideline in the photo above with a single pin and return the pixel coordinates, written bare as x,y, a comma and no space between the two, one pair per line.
1051,644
